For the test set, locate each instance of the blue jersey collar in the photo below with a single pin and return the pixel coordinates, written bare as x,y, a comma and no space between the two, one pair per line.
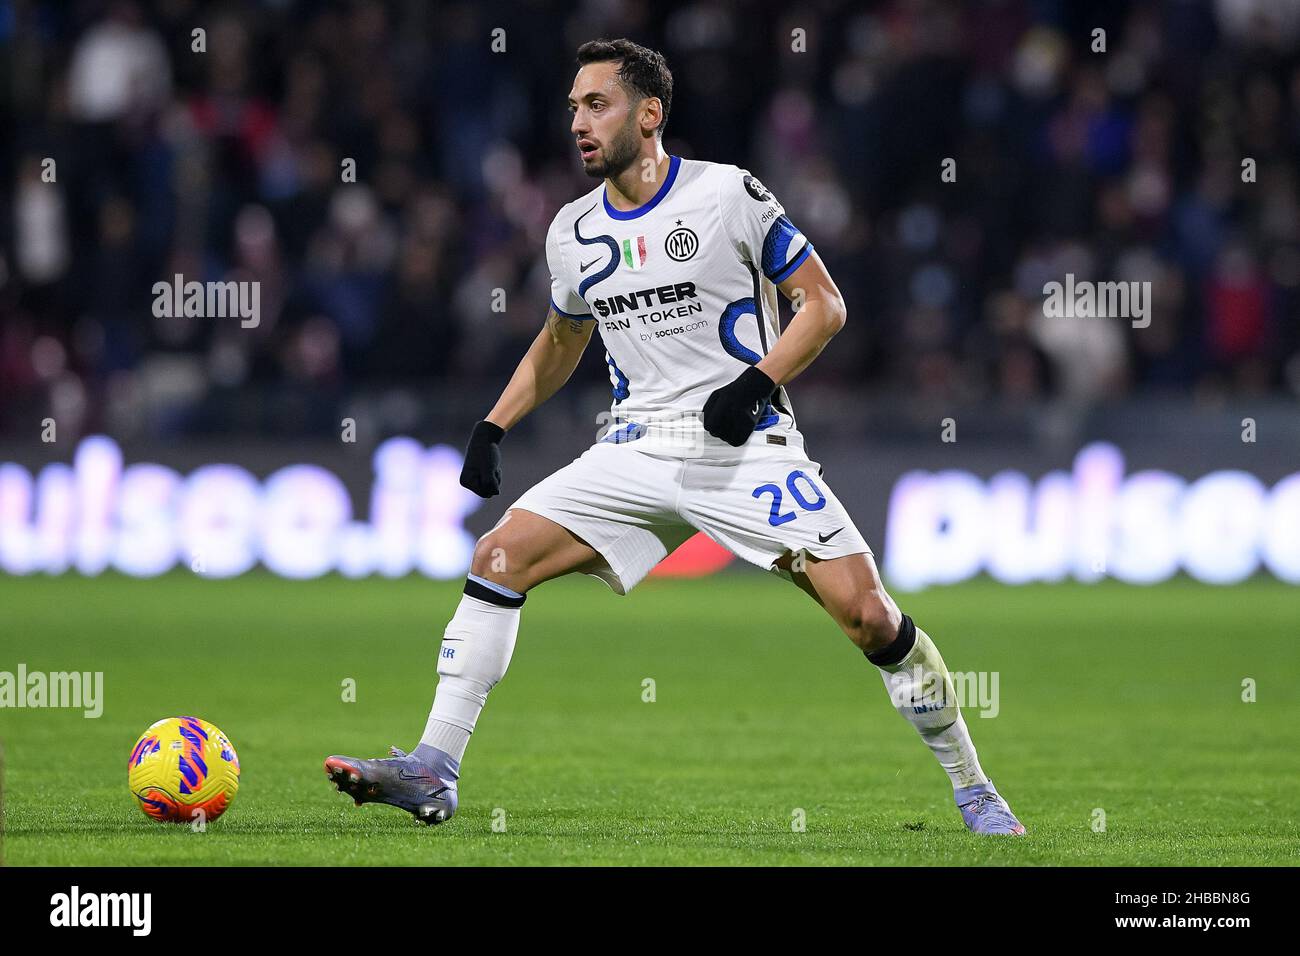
639,211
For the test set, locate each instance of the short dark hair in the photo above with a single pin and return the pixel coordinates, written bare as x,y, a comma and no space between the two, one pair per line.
642,71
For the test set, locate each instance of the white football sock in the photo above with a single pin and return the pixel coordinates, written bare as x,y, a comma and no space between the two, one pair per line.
475,652
921,690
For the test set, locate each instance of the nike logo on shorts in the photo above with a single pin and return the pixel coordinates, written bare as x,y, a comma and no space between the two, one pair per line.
823,538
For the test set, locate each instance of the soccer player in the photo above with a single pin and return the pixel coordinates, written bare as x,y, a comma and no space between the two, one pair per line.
677,262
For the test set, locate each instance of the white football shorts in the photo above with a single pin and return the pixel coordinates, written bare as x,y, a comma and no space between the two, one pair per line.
760,501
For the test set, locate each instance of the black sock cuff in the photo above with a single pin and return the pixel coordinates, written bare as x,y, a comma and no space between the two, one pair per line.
484,593
899,649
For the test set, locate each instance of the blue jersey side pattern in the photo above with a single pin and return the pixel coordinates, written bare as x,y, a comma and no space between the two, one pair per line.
617,379
738,350
629,432
767,419
609,243
727,329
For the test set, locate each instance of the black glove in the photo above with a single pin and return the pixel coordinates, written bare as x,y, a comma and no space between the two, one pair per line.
482,471
732,411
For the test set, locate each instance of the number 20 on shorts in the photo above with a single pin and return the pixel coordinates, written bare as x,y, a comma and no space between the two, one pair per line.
776,517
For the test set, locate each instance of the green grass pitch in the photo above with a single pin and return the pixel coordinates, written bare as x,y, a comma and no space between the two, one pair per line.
1113,697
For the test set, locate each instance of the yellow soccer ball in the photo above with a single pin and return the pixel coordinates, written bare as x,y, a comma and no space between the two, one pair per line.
182,770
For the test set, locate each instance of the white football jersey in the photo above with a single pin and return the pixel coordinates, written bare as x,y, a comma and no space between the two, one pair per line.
683,291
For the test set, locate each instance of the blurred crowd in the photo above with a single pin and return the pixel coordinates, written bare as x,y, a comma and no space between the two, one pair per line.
1165,149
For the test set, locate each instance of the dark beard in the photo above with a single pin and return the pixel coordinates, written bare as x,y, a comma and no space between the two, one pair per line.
619,155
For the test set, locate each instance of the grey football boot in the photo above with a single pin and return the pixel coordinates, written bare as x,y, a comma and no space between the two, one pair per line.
402,780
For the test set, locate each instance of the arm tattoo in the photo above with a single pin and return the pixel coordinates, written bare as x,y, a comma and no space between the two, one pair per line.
554,321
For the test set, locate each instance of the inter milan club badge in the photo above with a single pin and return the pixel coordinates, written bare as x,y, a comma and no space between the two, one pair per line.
681,244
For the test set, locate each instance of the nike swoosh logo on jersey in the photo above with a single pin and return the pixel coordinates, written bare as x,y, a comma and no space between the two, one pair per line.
824,538
587,265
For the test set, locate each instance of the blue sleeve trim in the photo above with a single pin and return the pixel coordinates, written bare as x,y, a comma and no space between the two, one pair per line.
571,315
790,267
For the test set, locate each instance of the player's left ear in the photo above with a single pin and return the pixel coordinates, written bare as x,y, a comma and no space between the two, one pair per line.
652,111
